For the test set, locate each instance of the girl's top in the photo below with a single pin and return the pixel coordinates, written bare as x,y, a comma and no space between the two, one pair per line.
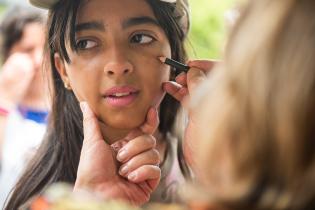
172,177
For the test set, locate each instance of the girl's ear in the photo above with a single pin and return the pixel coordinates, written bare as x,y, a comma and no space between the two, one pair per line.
60,66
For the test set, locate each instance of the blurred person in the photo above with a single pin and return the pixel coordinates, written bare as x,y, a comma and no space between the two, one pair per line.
256,113
23,98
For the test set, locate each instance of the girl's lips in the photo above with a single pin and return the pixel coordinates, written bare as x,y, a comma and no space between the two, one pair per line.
121,96
121,101
120,90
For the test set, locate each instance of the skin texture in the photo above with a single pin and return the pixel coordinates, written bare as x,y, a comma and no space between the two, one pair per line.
114,55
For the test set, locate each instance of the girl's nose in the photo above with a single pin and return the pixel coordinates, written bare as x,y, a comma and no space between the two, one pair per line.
118,64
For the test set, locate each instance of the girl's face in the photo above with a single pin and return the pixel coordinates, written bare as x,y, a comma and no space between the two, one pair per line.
116,68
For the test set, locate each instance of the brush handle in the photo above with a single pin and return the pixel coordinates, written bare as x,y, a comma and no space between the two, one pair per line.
177,65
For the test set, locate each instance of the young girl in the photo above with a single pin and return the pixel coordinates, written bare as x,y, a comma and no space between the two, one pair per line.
106,53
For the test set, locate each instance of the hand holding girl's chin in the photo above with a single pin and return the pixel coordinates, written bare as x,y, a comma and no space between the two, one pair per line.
130,175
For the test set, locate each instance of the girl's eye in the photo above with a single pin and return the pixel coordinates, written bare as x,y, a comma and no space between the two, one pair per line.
85,44
142,39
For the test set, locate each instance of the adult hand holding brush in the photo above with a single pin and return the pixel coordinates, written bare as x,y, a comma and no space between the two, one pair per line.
184,85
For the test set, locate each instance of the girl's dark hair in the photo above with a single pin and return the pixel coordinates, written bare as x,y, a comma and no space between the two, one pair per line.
58,157
13,25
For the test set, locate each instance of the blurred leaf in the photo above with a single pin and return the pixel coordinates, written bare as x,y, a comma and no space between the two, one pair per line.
208,31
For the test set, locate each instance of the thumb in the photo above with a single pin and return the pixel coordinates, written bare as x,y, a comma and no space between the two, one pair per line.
151,122
91,129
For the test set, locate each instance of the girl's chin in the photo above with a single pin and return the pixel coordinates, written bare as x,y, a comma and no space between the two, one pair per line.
114,131
125,124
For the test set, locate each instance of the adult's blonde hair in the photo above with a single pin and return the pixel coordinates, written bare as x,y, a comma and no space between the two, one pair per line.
257,111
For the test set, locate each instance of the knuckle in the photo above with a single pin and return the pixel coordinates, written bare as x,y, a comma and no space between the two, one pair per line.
156,156
156,171
151,141
159,172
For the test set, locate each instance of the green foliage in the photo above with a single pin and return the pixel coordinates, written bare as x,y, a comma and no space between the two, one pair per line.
2,8
208,31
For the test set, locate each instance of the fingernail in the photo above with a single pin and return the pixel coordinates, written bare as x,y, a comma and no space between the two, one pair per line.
123,170
83,106
132,176
117,146
122,155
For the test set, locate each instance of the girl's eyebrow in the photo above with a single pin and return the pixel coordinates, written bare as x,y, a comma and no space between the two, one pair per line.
94,25
99,25
138,21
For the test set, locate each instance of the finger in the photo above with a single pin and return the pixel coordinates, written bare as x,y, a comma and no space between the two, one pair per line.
135,147
91,128
182,79
175,90
205,65
116,146
195,77
149,173
150,157
152,121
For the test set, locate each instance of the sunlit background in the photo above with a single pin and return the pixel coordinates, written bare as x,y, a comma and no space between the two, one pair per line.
210,20
209,25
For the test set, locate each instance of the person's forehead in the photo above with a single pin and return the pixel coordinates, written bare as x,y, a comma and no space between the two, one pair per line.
112,12
113,9
48,4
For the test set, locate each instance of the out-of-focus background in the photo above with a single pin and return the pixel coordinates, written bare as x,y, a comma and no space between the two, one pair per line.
209,25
